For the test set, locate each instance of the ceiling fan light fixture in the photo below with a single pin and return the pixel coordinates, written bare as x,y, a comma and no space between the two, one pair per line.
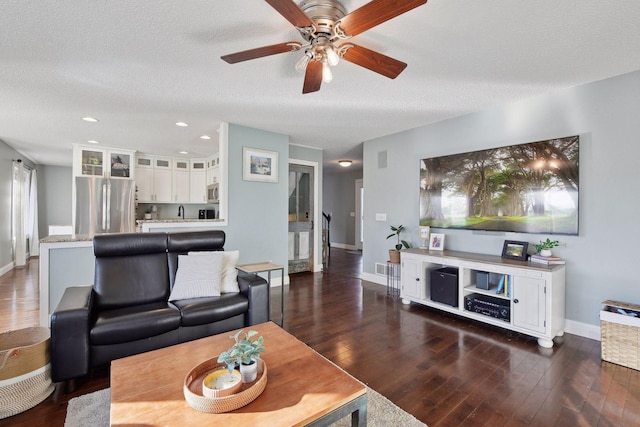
332,56
345,163
327,75
302,63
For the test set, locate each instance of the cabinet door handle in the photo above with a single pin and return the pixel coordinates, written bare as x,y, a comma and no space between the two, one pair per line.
515,301
417,279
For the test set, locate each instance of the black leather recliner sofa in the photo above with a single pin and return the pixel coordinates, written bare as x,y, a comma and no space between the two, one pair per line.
127,311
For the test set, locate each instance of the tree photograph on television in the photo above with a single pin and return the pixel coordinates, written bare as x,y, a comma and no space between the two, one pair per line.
525,188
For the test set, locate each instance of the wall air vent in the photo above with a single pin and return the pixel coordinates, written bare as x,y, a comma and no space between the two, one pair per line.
381,269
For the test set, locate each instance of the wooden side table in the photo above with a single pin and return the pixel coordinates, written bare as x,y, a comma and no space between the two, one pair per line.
267,267
393,278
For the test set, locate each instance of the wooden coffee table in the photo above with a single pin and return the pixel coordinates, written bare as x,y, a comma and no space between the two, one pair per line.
303,387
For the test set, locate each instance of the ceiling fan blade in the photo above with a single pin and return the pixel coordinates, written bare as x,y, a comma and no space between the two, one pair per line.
259,52
292,12
374,61
312,77
374,13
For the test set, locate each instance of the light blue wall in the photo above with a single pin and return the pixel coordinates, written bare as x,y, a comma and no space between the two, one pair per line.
600,261
257,210
54,197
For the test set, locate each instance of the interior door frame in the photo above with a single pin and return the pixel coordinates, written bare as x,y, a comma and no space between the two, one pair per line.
317,219
359,187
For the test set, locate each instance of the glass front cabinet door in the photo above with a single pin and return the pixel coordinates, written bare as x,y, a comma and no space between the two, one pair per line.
92,162
120,164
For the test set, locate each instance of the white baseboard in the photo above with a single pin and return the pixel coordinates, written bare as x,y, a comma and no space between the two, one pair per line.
275,281
570,326
7,268
343,246
375,278
582,329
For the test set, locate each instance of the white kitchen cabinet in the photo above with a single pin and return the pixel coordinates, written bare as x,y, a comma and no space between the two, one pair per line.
181,181
103,162
198,181
213,169
532,300
154,179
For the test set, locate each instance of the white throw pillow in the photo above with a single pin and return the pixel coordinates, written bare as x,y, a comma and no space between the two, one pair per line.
197,277
229,273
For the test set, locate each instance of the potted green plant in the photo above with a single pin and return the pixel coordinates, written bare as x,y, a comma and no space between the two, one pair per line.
245,354
394,254
544,248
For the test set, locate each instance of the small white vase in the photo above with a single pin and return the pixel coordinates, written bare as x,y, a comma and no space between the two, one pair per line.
545,252
249,373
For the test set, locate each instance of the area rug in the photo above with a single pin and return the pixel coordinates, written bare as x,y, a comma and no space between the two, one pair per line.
93,410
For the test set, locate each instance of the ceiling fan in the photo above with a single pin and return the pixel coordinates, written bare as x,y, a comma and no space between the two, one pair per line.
326,26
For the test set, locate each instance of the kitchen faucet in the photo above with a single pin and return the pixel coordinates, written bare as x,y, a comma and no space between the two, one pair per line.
181,210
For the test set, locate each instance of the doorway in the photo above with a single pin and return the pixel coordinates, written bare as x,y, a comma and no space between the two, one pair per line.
301,218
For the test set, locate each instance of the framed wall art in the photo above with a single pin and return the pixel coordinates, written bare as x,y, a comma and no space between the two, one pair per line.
259,165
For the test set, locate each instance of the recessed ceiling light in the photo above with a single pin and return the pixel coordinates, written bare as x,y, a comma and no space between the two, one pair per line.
205,137
90,119
93,141
182,124
183,152
345,163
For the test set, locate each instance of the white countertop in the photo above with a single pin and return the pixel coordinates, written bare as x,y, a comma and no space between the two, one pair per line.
177,220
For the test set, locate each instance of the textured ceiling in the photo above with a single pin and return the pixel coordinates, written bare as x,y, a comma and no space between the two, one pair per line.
140,66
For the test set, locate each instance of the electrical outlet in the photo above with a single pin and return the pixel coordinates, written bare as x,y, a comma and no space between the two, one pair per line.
381,217
352,214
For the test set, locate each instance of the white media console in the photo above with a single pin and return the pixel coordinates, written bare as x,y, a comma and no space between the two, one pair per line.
533,305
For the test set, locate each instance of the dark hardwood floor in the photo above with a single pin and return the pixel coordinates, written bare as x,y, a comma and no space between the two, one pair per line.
445,370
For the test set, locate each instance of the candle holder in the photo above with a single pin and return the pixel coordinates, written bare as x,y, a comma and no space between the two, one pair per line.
424,235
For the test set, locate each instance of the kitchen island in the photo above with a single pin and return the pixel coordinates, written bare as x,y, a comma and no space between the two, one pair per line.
65,260
176,224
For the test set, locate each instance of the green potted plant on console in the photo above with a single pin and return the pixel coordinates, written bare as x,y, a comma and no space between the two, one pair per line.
394,254
544,248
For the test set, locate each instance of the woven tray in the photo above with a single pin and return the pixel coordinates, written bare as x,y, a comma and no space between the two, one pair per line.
193,389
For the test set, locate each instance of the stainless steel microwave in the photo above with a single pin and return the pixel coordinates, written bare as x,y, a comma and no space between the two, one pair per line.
213,193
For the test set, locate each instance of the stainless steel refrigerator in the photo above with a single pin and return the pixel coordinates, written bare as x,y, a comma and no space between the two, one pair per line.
104,205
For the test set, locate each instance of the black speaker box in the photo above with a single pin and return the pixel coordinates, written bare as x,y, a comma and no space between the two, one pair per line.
444,286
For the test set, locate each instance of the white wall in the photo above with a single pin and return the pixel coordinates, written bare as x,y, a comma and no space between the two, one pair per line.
600,261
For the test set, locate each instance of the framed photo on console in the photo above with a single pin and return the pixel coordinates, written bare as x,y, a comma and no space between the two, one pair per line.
436,242
515,250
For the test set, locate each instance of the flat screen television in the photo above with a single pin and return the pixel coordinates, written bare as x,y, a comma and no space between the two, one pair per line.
525,188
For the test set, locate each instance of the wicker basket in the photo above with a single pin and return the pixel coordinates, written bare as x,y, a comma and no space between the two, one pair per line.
193,389
620,335
25,371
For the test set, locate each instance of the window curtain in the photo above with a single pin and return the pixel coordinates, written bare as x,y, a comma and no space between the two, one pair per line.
19,237
32,228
